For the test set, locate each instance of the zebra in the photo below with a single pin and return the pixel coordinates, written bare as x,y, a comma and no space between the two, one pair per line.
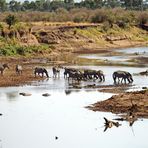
122,74
40,70
18,69
3,67
56,72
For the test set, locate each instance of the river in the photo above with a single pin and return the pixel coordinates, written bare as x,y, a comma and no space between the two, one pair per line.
61,120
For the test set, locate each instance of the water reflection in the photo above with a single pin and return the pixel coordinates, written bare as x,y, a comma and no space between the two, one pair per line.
12,96
34,122
139,50
63,116
67,92
110,124
122,56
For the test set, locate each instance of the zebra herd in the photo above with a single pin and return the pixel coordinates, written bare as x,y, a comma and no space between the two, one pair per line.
75,74
88,74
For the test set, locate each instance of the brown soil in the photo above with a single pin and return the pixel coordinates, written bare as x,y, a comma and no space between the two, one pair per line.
135,102
67,39
10,78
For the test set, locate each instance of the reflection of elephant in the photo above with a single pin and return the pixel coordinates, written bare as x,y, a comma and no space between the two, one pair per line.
124,75
39,71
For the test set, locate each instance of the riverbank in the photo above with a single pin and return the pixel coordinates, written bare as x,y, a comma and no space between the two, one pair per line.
10,78
135,103
46,45
65,59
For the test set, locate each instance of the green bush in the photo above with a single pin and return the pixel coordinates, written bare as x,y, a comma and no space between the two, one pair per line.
20,51
11,20
11,49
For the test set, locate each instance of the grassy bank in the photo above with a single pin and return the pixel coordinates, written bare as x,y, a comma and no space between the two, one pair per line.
42,39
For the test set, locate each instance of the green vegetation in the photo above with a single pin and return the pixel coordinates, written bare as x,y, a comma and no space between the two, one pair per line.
96,34
116,15
11,20
47,5
15,50
17,37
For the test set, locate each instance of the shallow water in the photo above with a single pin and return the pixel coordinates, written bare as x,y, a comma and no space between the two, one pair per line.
123,55
35,121
139,50
103,57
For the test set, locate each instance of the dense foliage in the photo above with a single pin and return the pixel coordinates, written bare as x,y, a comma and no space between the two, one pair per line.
113,16
47,5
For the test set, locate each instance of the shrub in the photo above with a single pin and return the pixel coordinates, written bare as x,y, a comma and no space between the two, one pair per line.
142,18
99,17
10,20
106,26
20,51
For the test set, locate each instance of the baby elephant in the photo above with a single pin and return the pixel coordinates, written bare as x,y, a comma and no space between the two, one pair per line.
18,69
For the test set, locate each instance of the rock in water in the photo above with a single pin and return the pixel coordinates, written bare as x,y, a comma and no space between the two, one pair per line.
25,94
46,95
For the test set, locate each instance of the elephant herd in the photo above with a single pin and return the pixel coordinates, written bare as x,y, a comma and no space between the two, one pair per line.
75,74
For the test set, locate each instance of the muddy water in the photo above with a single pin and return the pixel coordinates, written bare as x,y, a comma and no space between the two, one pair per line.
35,121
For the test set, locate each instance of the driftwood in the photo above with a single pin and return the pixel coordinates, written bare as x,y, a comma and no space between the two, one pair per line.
110,124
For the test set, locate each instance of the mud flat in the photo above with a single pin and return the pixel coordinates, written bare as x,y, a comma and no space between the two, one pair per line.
10,78
135,102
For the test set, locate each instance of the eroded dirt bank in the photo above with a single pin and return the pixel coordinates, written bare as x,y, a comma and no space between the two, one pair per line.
129,102
90,38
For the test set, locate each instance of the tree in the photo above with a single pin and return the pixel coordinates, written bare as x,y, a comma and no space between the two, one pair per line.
11,20
54,5
32,5
69,4
99,3
26,5
133,4
46,5
112,3
3,5
14,5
